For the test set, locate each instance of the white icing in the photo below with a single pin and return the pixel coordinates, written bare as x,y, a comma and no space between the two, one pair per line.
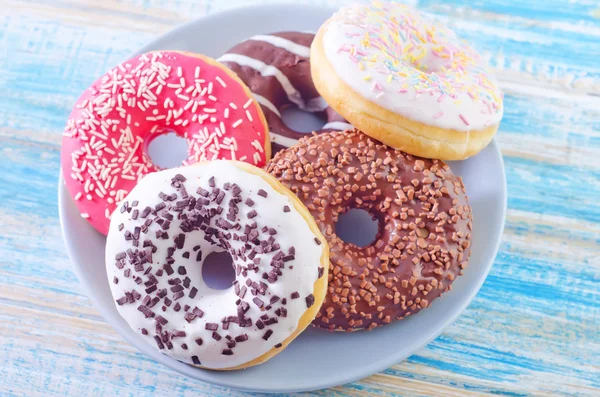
266,71
317,104
338,125
266,103
288,45
344,45
282,140
292,231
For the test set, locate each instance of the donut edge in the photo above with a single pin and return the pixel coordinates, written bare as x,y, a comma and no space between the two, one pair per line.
386,126
320,285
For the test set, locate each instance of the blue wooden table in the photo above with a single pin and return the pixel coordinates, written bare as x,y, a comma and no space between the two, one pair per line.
532,330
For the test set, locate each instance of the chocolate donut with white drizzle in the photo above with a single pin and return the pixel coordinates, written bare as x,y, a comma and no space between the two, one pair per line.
276,68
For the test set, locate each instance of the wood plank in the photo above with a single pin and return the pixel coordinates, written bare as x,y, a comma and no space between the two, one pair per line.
532,329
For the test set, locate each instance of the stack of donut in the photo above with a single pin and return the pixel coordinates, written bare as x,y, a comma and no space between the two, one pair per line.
398,93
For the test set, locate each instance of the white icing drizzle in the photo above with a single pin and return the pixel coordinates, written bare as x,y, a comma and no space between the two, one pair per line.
266,71
288,45
337,125
266,103
282,140
317,104
292,230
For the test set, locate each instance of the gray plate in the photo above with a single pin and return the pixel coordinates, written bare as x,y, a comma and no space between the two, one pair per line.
316,359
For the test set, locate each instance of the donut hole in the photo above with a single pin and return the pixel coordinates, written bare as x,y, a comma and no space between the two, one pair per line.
217,270
167,150
358,227
301,120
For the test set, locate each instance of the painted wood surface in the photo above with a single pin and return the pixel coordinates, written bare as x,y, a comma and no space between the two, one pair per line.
532,330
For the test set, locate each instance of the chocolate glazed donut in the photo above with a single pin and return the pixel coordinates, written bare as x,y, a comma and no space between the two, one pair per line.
424,218
276,68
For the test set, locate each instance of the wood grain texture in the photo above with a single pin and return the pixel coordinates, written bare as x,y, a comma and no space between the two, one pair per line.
532,330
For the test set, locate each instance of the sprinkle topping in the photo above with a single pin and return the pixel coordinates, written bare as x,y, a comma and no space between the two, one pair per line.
403,60
424,235
191,217
155,93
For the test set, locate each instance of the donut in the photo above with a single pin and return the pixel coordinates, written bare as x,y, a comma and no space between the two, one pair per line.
406,81
104,148
276,68
172,220
424,236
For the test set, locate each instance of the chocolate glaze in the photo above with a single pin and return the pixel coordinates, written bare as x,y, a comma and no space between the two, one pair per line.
296,68
424,236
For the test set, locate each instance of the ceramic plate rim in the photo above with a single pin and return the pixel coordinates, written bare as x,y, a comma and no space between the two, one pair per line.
203,375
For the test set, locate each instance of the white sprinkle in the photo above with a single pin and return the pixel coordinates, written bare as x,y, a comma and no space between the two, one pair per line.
232,105
212,98
197,72
234,125
257,145
210,87
226,113
248,115
209,110
248,103
220,81
178,71
256,158
78,196
243,158
88,197
85,215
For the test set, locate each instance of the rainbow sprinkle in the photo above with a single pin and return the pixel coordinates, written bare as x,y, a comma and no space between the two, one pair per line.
405,46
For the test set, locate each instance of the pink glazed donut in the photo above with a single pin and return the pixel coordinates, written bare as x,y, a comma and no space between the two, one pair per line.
105,142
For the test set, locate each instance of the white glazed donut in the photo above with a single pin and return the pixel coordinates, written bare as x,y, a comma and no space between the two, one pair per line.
172,220
406,81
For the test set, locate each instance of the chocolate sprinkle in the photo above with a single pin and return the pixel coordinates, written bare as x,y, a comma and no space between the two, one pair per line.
220,218
241,338
159,342
211,326
310,300
267,334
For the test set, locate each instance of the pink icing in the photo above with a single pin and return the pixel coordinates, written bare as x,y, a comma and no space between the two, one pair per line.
114,120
